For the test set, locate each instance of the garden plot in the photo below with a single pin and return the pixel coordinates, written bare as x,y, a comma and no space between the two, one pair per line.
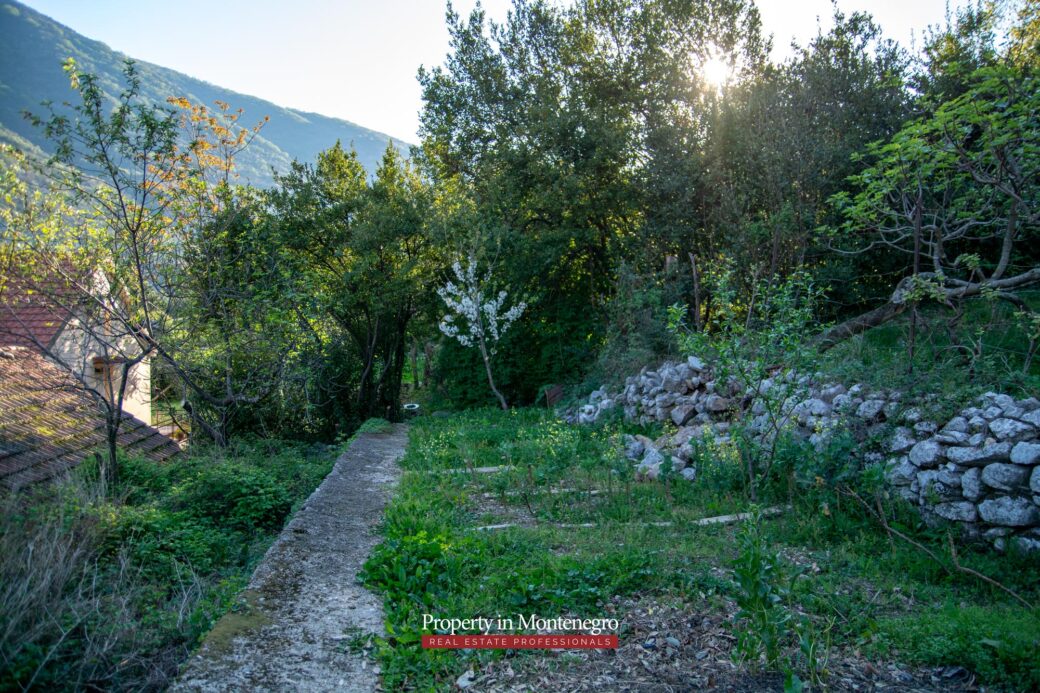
587,540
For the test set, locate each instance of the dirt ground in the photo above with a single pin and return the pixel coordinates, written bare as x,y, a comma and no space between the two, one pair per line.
676,647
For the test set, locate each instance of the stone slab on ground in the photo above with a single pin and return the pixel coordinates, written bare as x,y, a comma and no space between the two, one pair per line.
303,603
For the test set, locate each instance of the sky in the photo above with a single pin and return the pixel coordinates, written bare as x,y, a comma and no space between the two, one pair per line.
357,59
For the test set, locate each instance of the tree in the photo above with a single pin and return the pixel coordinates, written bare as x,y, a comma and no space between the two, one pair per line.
484,320
956,192
47,266
147,181
362,252
562,129
235,324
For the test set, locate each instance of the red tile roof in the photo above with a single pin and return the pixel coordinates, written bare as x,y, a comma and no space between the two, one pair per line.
48,426
18,323
33,309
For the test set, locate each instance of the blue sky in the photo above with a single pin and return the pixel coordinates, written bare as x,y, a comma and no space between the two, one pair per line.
357,59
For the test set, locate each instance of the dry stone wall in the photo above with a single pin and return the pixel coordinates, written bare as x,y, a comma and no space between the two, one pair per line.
979,470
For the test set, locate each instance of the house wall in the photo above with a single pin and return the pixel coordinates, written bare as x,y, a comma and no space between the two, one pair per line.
76,348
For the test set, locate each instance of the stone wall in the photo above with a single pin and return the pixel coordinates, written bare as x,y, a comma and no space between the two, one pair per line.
980,469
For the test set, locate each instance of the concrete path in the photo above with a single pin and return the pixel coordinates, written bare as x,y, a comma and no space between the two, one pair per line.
303,604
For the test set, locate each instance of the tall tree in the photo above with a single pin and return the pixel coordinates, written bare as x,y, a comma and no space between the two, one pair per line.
956,192
362,249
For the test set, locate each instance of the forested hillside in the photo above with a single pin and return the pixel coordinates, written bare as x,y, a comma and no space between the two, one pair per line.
34,47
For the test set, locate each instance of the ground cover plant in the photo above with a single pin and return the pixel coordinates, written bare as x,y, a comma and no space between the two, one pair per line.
961,353
107,589
586,541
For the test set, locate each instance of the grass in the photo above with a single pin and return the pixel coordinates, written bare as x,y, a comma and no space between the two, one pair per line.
145,569
985,350
846,575
375,425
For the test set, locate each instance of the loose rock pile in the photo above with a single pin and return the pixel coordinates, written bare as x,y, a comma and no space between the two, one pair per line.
980,469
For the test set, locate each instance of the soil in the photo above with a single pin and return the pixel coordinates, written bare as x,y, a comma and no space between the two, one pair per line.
677,646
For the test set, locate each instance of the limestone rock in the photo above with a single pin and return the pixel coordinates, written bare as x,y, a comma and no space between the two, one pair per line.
934,485
1026,453
686,434
1032,417
683,413
1010,429
828,394
911,415
925,428
843,402
951,437
685,452
695,363
665,400
992,412
958,511
587,414
818,407
900,472
1004,477
901,441
870,409
1034,480
1009,512
650,466
979,457
977,440
926,454
971,484
716,404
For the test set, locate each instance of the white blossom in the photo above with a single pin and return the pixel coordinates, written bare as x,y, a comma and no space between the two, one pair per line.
482,318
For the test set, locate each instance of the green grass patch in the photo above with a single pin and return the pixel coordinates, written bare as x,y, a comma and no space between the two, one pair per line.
846,576
375,425
1000,645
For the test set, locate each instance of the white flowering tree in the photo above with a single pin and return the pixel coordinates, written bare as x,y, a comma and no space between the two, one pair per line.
475,319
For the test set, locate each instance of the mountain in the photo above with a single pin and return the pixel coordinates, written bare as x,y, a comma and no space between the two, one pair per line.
34,46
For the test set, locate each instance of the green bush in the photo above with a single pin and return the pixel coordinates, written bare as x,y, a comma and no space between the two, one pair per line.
236,494
113,592
156,539
417,569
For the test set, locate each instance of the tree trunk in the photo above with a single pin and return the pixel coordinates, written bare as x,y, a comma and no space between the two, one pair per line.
954,289
110,470
859,324
491,380
413,355
696,294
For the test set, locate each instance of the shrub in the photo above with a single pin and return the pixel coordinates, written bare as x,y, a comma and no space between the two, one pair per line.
237,494
112,592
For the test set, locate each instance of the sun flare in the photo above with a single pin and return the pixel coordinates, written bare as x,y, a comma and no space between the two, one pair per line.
716,72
